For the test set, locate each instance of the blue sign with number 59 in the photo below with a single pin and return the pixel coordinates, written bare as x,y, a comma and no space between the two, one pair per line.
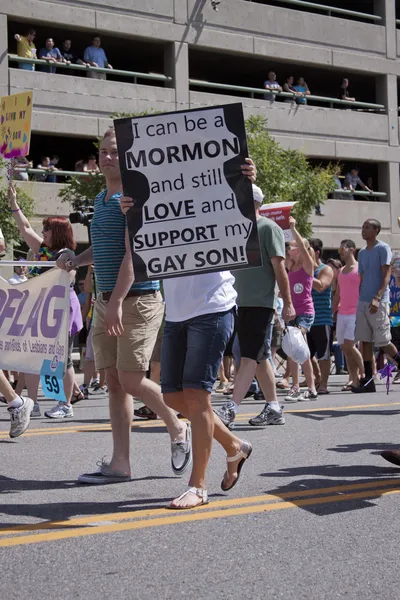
52,379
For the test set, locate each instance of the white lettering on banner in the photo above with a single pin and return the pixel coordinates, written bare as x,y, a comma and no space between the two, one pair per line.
197,211
34,321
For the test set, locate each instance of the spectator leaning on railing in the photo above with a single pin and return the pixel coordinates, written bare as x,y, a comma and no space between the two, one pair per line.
344,91
51,55
289,88
302,88
26,48
91,165
69,57
46,166
271,84
352,180
96,57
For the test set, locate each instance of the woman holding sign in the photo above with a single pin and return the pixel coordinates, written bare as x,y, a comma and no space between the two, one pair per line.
56,235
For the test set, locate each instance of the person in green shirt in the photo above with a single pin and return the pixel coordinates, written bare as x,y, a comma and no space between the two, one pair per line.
256,308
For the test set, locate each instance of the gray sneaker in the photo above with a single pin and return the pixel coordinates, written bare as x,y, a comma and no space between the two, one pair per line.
268,416
294,395
59,411
181,453
20,417
36,410
104,474
227,414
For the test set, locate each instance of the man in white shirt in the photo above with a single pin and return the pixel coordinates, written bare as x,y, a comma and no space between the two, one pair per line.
19,274
199,323
2,242
273,86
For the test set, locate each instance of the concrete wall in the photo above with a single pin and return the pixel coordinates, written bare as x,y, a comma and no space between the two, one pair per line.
69,105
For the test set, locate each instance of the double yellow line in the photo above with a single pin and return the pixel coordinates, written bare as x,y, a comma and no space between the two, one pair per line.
142,519
242,417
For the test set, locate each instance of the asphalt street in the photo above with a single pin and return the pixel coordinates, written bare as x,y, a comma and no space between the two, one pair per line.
315,514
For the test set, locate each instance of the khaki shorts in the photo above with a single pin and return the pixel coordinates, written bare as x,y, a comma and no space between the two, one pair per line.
373,328
141,319
156,356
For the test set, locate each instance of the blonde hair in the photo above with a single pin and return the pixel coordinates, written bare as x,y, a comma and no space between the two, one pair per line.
109,133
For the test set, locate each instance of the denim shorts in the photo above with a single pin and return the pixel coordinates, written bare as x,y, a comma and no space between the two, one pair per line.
304,321
192,351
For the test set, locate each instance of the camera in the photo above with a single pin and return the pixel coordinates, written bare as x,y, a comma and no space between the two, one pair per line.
83,218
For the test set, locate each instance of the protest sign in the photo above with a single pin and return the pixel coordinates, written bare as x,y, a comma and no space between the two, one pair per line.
279,212
194,210
15,124
34,324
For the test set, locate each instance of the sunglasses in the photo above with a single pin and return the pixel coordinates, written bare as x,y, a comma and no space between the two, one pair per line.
46,229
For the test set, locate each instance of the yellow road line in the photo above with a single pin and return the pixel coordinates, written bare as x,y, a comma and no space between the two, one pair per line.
187,517
148,424
137,514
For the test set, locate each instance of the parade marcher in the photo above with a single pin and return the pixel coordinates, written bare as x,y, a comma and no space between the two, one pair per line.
372,319
345,302
256,310
56,235
124,350
19,408
199,323
319,337
301,277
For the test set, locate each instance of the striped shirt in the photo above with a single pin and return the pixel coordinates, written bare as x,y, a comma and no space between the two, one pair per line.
322,303
107,230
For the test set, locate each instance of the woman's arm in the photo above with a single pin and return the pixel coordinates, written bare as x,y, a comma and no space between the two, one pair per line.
31,238
308,263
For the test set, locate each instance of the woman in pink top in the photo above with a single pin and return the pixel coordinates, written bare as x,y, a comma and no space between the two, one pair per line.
345,302
301,275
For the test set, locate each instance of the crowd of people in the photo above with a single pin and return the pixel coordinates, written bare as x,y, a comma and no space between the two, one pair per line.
299,91
93,56
193,332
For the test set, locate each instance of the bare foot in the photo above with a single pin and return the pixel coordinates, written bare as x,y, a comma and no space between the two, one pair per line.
189,499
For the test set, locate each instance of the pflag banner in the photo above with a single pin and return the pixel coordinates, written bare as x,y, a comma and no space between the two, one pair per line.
34,324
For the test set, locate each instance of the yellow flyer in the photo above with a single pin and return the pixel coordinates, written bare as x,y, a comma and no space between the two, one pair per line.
15,124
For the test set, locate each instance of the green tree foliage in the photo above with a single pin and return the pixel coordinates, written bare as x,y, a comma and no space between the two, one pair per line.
286,176
7,223
80,192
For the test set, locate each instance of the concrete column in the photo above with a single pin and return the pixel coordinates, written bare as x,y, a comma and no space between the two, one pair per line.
3,56
386,93
389,182
176,65
387,10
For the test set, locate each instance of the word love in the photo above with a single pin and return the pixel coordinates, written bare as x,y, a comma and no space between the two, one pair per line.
43,318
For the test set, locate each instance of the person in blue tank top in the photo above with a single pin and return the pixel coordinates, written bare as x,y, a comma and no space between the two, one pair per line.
320,335
126,321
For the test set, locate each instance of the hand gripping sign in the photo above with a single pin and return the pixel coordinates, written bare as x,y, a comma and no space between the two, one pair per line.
194,210
34,325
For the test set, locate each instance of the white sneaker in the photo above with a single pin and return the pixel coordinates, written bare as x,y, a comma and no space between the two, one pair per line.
60,411
294,395
20,417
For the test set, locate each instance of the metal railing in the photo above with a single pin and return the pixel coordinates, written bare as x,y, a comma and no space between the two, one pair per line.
331,9
59,65
359,193
263,91
58,173
86,174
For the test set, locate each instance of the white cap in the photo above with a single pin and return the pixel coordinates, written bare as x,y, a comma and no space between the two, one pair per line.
258,196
